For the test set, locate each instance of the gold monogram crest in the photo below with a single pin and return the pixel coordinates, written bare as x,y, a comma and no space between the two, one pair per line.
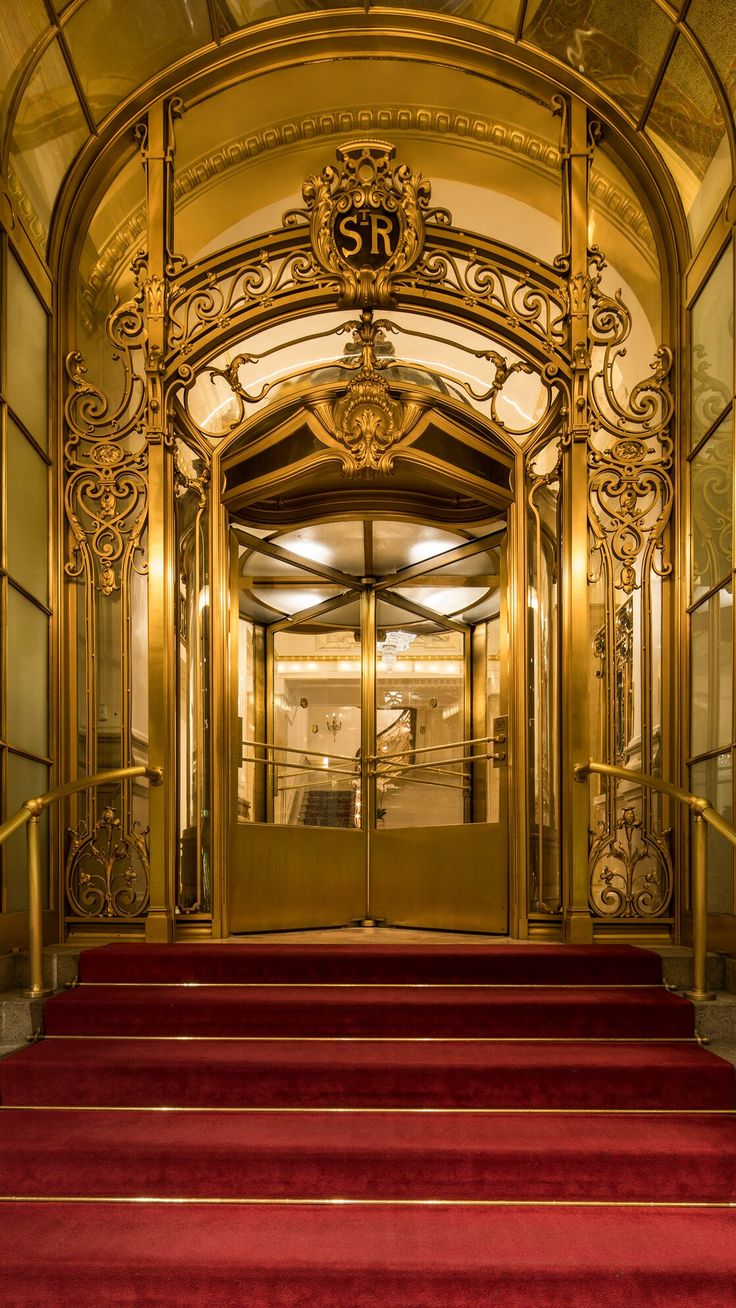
366,217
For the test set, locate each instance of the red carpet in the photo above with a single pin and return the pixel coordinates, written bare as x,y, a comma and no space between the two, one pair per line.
355,1074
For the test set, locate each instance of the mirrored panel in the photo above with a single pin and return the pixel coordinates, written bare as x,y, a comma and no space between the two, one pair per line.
713,778
711,666
25,780
711,520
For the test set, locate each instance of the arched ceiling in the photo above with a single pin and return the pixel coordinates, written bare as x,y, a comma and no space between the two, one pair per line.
68,66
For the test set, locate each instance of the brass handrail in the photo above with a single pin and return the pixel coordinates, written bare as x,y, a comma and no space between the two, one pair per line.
435,749
703,811
29,814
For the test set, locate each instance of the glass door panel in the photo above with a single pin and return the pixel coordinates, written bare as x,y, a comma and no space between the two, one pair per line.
316,729
420,724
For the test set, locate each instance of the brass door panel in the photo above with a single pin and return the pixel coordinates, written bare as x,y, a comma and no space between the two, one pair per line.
284,877
452,878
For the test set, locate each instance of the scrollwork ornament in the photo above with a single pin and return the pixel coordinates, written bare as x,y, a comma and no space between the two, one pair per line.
631,870
630,450
106,500
107,870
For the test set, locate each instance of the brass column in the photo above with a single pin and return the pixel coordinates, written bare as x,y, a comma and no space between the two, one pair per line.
157,147
577,923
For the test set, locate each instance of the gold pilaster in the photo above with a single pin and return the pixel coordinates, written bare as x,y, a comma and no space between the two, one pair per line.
577,924
157,145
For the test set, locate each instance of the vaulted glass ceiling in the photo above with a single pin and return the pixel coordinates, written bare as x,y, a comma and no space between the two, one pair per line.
66,65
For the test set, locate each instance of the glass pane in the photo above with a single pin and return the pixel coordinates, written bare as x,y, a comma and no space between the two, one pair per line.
711,327
26,361
713,22
26,779
712,510
687,127
48,131
27,515
249,798
713,778
620,225
113,56
711,667
22,22
27,675
192,518
420,706
618,44
316,728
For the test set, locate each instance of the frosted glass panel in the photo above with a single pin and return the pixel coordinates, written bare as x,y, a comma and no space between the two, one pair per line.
713,778
26,779
26,347
27,675
711,668
27,515
712,347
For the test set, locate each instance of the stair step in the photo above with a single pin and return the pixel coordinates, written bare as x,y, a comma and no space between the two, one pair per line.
333,1255
508,1012
328,1154
508,964
365,1073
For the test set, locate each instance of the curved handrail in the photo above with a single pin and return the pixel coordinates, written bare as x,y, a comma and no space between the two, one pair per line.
703,812
28,815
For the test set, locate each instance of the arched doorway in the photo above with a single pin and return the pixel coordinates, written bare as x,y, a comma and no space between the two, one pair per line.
372,707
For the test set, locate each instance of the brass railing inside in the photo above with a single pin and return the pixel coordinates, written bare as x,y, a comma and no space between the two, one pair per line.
703,812
29,816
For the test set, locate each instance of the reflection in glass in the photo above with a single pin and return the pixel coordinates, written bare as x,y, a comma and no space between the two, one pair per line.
26,354
48,130
420,706
711,662
712,21
316,728
712,347
26,779
27,675
686,124
617,43
28,524
713,778
23,21
114,57
711,523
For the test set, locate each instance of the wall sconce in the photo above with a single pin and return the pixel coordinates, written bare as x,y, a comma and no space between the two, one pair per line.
334,723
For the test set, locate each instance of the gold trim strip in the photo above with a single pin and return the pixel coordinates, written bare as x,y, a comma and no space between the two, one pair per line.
218,1108
352,985
341,1202
410,1040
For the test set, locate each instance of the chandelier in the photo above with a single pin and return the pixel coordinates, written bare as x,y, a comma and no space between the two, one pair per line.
393,644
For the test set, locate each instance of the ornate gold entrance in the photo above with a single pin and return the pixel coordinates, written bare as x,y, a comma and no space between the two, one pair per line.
370,361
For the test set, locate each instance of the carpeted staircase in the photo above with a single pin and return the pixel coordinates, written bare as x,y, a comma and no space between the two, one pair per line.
403,1126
